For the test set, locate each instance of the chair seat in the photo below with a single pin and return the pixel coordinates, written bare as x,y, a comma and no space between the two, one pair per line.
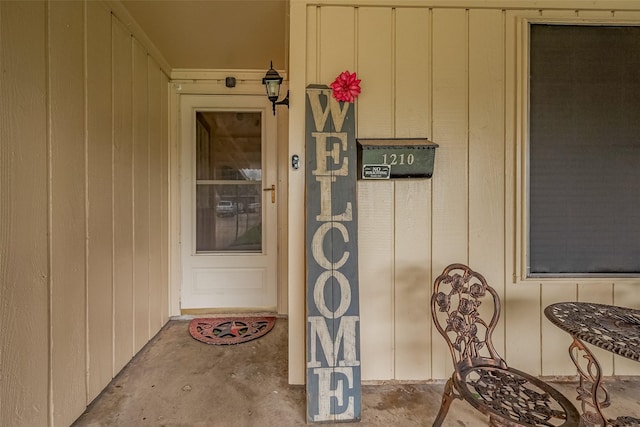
514,397
624,421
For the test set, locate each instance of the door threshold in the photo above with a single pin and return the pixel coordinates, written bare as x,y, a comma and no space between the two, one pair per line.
223,312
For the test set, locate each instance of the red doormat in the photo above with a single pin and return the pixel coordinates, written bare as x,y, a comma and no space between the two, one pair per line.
230,330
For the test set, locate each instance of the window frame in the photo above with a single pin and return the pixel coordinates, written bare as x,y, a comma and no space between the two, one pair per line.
521,212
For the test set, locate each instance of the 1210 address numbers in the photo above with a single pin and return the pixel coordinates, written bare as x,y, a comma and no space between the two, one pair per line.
398,159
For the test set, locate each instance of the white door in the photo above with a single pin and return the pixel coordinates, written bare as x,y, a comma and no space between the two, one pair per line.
228,203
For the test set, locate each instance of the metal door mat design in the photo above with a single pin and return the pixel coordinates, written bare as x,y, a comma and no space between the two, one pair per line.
230,330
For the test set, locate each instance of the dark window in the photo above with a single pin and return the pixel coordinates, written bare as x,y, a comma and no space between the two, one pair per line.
584,150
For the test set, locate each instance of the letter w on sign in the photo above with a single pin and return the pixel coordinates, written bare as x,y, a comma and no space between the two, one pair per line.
333,314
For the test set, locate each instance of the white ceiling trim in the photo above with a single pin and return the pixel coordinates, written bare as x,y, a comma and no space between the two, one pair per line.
212,82
631,5
183,74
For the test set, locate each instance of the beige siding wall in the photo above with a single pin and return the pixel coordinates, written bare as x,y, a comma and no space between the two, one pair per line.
452,72
24,249
83,209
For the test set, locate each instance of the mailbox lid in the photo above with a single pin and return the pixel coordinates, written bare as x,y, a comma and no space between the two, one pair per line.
377,143
406,157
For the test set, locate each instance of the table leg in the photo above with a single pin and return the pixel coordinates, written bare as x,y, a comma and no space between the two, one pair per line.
592,394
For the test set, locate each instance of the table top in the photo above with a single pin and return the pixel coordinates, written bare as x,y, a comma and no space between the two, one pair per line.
615,329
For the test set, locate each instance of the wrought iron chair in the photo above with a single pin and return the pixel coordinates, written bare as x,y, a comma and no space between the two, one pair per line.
481,377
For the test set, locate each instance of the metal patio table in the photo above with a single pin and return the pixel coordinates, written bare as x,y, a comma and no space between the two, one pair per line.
612,328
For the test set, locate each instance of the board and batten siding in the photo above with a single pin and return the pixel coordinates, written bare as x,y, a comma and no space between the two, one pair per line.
452,73
83,205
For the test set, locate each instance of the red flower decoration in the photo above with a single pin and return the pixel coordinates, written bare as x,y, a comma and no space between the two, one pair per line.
346,87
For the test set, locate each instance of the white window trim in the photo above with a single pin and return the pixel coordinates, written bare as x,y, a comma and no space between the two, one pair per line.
521,237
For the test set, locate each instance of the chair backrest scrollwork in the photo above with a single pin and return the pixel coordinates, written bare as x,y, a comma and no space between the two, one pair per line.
465,311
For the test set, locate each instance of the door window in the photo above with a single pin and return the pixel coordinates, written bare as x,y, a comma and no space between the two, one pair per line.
228,181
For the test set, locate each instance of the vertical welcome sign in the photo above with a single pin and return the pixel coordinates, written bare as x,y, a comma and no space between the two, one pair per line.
333,337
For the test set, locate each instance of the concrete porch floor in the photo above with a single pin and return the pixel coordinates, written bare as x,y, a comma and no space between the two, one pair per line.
178,381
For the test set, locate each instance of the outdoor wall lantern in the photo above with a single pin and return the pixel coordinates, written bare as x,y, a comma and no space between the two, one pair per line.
272,82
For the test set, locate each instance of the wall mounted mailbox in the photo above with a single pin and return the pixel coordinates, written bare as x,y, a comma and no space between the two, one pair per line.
396,158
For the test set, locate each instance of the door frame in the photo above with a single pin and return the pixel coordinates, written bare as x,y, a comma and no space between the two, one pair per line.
187,82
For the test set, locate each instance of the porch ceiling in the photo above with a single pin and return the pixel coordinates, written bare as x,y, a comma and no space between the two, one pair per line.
215,34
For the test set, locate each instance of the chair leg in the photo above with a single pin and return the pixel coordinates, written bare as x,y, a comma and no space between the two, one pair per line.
447,398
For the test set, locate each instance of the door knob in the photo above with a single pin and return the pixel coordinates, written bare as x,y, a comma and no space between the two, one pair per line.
273,192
